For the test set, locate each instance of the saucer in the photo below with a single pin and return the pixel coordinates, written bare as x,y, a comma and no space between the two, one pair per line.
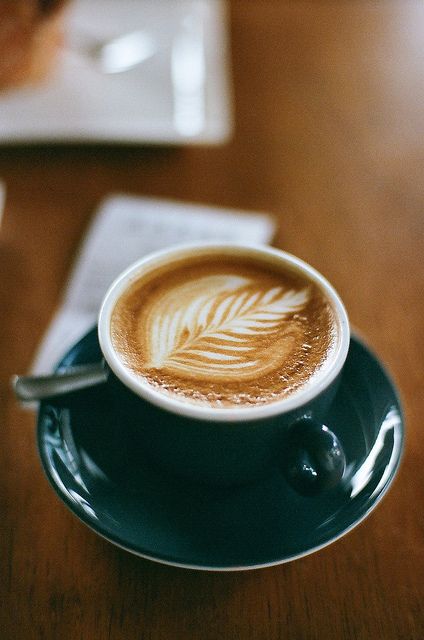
130,504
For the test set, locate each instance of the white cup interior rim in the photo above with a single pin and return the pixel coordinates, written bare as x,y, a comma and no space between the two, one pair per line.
231,414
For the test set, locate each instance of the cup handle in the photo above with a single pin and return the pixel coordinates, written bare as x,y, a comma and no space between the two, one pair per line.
314,460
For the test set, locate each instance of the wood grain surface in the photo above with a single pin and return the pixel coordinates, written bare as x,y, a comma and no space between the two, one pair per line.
329,137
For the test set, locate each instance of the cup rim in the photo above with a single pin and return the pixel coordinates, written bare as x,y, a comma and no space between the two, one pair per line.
217,414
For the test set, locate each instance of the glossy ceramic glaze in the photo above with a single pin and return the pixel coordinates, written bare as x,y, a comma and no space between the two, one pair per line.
94,471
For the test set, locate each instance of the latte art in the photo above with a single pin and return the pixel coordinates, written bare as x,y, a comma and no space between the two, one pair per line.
223,332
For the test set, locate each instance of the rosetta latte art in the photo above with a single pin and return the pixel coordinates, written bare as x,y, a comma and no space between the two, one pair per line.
224,331
221,327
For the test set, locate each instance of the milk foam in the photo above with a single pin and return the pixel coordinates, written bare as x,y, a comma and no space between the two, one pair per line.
224,332
218,327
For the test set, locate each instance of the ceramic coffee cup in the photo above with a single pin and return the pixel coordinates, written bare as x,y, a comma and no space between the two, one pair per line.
243,425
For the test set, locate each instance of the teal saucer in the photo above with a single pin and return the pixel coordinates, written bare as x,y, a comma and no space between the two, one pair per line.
123,499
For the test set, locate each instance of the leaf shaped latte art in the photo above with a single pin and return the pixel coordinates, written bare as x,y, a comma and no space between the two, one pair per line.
221,327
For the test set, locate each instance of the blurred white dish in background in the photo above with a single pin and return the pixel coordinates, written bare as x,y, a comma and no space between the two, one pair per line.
157,73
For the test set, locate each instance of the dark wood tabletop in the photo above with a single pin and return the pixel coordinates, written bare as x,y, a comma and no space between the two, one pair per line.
329,138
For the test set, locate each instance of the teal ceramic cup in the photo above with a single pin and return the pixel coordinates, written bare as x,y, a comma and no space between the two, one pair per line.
233,445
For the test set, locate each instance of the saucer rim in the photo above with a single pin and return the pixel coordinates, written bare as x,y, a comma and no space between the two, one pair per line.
245,567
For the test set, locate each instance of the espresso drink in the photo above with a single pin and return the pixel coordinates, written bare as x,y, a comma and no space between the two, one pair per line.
224,331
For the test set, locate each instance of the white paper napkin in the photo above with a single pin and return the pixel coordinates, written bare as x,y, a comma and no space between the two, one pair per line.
2,199
125,229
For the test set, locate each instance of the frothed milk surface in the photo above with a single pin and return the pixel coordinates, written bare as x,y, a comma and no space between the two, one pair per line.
224,332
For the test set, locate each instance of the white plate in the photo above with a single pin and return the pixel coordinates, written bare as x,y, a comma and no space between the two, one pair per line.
180,95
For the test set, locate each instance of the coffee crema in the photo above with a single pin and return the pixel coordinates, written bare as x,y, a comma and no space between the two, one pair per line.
224,331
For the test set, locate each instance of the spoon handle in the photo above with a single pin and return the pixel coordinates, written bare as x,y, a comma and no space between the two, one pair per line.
29,388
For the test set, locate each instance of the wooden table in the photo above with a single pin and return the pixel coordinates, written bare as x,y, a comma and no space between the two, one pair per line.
329,137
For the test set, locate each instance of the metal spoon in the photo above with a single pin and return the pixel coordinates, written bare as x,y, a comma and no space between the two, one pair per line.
30,388
119,54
